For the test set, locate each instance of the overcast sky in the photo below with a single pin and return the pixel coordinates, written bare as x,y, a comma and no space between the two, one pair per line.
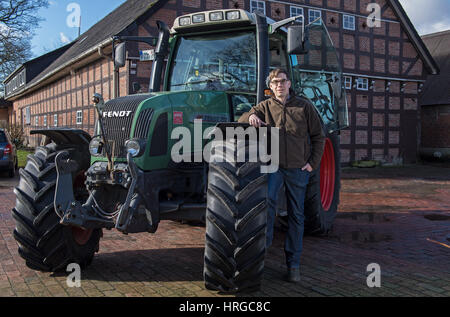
428,16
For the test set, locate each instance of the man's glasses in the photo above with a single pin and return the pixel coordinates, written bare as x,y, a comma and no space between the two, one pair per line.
282,81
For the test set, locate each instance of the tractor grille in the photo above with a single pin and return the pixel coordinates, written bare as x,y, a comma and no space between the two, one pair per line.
118,128
143,124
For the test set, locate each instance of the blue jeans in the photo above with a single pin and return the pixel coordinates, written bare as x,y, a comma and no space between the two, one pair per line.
295,181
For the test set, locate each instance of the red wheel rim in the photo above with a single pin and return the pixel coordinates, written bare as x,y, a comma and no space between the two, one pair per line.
81,236
327,175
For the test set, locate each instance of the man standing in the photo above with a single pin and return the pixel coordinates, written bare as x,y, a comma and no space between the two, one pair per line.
301,147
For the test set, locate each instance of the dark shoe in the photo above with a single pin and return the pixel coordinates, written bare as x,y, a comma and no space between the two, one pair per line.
293,275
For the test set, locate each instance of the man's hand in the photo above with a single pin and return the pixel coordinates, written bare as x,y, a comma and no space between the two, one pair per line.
307,167
255,121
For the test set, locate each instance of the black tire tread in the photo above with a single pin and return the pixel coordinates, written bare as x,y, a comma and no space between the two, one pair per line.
236,223
44,243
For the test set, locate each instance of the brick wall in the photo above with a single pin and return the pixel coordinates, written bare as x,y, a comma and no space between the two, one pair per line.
435,126
68,95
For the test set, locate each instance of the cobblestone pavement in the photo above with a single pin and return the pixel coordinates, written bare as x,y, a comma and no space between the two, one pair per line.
398,218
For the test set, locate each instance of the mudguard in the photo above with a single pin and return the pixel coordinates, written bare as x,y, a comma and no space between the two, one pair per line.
63,136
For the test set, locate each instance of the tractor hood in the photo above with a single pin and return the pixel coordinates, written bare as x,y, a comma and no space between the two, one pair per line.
153,117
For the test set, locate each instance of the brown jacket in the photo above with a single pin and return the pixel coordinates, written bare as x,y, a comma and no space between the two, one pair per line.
302,139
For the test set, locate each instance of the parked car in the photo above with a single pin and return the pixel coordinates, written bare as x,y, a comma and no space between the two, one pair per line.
8,153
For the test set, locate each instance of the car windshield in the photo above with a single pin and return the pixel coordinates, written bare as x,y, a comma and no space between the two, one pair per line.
224,62
2,137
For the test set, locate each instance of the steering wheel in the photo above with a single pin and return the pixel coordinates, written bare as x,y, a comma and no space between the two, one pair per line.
197,82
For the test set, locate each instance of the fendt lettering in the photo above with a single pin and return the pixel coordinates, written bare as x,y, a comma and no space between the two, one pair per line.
212,63
116,114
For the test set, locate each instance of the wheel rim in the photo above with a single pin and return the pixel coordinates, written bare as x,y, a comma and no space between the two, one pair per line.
81,236
327,175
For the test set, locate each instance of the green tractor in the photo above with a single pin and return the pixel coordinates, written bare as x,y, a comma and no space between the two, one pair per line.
126,176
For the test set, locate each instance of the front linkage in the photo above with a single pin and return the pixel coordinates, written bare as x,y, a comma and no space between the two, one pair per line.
127,218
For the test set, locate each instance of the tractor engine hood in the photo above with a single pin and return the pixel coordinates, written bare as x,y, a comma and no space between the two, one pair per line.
145,116
118,116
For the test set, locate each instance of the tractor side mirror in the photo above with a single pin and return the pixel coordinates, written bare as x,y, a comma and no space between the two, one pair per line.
336,85
119,55
296,40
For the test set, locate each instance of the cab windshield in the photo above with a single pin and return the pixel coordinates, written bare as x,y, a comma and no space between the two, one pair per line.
222,62
318,77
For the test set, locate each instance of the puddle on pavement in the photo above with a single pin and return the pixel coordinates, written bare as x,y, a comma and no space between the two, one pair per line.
370,217
347,232
437,217
361,237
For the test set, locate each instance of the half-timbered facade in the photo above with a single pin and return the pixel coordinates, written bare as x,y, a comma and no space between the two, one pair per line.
385,68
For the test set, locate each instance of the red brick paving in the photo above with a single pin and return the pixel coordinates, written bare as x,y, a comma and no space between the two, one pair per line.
381,220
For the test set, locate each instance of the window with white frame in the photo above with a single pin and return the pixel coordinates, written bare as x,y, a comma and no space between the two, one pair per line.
79,117
362,84
36,121
27,115
296,11
314,15
348,82
257,5
45,120
349,22
55,120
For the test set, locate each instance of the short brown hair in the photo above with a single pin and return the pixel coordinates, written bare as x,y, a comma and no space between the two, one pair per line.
274,73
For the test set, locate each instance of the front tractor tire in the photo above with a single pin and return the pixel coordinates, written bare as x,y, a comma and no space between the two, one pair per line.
44,243
236,220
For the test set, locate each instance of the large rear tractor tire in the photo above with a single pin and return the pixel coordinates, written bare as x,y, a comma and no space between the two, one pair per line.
236,220
322,194
44,243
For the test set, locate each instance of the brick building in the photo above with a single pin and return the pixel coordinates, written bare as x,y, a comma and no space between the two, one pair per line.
17,82
5,111
435,100
385,68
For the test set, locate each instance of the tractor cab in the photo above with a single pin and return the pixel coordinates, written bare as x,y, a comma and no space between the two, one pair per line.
233,51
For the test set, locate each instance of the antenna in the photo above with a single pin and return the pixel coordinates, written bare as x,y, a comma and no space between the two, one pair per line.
79,27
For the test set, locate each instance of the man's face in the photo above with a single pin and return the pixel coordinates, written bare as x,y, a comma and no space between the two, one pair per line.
280,86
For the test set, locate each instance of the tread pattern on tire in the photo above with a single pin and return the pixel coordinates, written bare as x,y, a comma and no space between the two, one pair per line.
44,243
236,219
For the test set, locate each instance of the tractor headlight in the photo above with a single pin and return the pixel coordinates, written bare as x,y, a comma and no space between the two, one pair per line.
135,147
185,21
96,147
216,16
233,15
198,18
